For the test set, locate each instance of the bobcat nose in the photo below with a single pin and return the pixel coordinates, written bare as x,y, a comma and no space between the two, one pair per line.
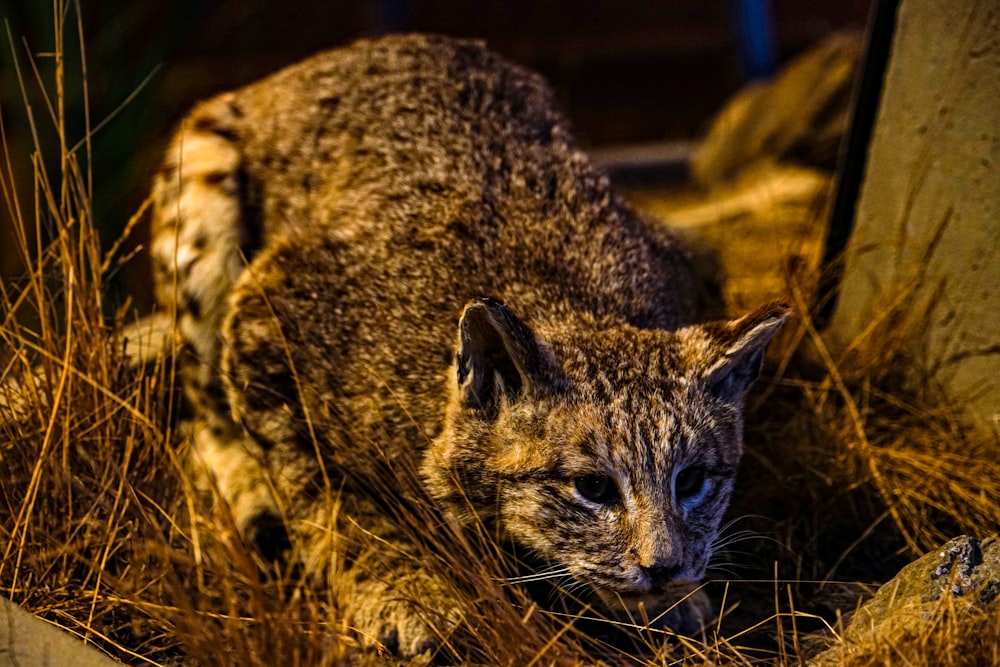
661,573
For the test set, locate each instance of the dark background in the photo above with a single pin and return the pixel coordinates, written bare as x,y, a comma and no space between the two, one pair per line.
626,71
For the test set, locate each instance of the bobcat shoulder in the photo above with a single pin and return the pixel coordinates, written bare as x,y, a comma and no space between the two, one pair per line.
393,258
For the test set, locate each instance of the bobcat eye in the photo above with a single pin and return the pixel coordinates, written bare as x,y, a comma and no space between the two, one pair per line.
596,488
690,485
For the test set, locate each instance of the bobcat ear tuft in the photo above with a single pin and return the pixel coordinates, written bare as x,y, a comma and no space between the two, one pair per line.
499,357
744,342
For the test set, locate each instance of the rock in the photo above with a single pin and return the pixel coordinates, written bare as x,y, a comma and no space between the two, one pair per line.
965,568
28,641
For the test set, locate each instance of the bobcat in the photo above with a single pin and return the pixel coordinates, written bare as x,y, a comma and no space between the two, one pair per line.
393,258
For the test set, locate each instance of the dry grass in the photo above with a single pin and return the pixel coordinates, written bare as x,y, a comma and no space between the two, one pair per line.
853,468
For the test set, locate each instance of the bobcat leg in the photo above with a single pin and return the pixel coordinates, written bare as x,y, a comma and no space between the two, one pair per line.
232,472
197,222
391,599
199,242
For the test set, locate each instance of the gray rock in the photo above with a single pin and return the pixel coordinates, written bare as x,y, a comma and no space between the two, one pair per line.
965,567
28,641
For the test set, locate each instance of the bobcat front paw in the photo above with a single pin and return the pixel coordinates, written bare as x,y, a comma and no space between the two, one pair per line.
401,611
402,628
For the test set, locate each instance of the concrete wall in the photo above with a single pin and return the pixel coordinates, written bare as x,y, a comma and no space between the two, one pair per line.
929,210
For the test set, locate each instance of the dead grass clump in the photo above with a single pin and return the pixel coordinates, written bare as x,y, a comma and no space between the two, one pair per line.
859,464
81,454
949,632
99,527
896,433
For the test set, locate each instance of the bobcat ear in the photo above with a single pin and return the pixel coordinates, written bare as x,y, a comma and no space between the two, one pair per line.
743,342
499,358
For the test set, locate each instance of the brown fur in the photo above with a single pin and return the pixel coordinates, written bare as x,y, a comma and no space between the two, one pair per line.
445,283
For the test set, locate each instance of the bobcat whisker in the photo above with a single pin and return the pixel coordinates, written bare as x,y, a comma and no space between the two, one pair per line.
732,522
715,565
730,552
724,542
724,567
551,573
575,588
724,557
568,588
725,538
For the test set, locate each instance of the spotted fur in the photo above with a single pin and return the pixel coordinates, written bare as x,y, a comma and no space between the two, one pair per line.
393,258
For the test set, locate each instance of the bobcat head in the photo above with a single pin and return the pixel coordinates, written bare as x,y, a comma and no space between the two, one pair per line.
607,452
